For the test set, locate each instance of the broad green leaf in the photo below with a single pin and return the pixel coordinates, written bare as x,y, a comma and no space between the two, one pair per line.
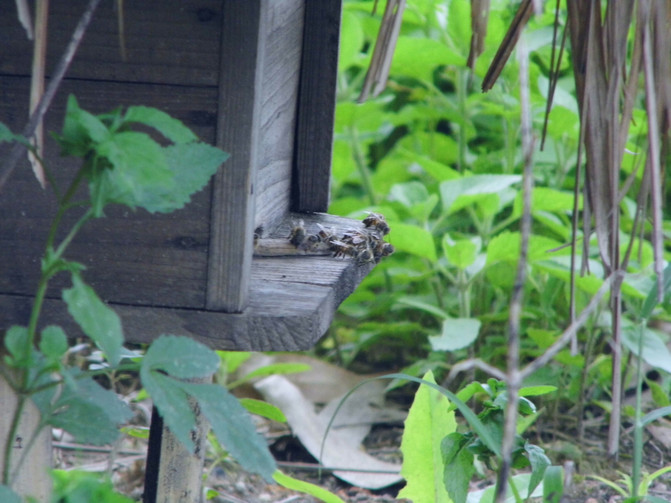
83,408
172,403
265,409
97,320
351,41
233,427
180,357
659,394
459,27
412,239
428,422
5,135
459,193
77,486
461,253
9,496
459,469
553,484
139,170
419,57
231,360
16,342
653,350
53,342
651,300
438,170
173,129
305,487
81,130
457,333
546,199
539,462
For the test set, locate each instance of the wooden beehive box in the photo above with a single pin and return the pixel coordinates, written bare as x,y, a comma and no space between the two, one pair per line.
256,78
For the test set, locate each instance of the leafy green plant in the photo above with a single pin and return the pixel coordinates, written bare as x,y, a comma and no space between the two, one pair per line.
124,166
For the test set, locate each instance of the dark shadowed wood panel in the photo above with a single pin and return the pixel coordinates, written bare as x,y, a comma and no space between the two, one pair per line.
242,59
292,302
316,106
167,41
131,257
281,73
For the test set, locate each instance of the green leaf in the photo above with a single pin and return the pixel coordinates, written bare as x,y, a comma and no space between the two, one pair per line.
537,390
173,129
9,496
461,253
427,424
351,41
461,192
83,408
459,469
305,487
53,342
653,350
651,300
412,239
76,486
97,320
655,415
419,57
139,170
659,394
180,357
233,427
553,484
272,369
539,462
81,130
546,199
16,342
172,403
457,333
265,409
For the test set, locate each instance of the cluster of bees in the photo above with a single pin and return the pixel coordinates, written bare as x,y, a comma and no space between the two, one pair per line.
363,245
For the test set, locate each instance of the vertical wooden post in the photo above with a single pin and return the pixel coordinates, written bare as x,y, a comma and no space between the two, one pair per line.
32,478
173,473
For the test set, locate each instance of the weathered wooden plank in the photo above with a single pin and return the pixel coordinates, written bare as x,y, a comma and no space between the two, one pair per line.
316,106
173,42
32,477
292,303
281,72
132,257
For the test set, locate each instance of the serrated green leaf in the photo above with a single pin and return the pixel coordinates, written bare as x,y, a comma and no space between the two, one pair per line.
539,463
457,333
265,409
459,469
173,129
233,427
461,253
53,342
97,320
427,424
81,130
305,487
84,409
172,403
180,357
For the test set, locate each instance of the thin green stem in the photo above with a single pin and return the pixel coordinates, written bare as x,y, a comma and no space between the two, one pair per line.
360,162
9,442
638,429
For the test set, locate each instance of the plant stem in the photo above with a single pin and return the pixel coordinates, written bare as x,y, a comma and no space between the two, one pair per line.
16,419
638,428
360,162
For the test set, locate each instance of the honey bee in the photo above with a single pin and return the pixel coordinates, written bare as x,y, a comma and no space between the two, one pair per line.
326,235
384,249
341,249
298,234
377,222
355,237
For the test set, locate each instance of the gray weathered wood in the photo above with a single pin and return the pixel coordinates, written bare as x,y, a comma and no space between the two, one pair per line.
292,303
172,42
180,474
232,220
279,96
316,106
132,257
32,478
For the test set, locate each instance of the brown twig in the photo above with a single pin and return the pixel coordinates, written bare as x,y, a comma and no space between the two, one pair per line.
54,83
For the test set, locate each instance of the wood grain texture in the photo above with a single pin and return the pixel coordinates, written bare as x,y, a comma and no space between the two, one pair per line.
232,219
292,302
281,73
316,106
173,42
131,257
